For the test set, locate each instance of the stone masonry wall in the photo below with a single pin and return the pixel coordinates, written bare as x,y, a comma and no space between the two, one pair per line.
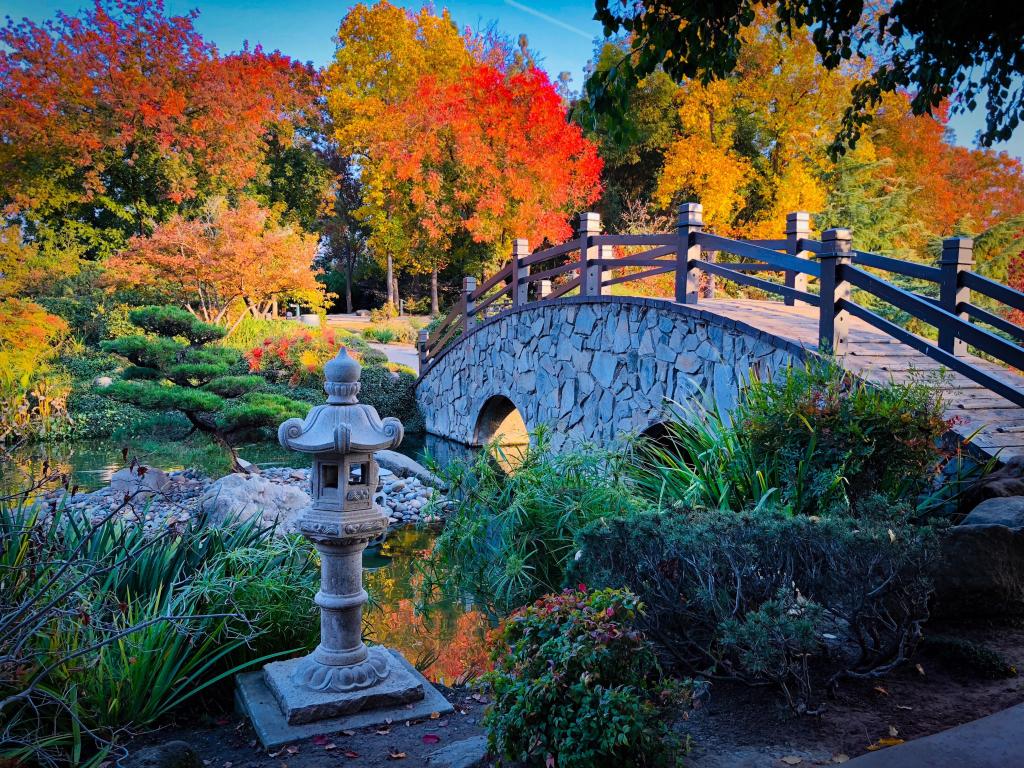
594,368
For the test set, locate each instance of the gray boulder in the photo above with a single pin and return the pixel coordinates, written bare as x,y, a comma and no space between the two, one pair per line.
140,482
1006,481
240,497
981,571
403,466
170,754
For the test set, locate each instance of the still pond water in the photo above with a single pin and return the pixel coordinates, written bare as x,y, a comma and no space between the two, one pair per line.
446,640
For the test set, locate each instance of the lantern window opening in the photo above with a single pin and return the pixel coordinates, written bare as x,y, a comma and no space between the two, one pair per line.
359,474
329,473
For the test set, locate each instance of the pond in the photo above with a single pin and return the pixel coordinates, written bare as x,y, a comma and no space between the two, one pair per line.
446,640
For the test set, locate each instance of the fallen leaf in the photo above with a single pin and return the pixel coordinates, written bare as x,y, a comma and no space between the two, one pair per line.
840,758
292,750
430,738
903,706
881,690
893,732
919,668
434,715
269,754
320,740
883,743
383,731
350,753
792,760
351,733
330,745
396,755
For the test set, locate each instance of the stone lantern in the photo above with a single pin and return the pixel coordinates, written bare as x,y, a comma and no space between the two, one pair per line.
342,676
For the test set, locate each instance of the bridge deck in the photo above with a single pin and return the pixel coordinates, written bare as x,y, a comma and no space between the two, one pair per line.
879,358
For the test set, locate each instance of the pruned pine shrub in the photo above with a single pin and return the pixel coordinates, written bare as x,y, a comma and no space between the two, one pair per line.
176,367
576,684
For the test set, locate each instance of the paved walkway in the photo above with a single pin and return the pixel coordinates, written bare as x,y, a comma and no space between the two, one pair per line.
877,357
403,354
996,741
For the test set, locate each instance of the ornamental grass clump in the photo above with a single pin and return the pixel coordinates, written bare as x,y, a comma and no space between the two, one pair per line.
576,684
177,367
812,440
107,629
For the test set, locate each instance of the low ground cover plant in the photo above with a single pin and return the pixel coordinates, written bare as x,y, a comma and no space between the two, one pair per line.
769,597
576,684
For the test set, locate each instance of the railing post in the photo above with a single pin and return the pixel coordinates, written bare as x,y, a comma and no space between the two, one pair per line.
957,258
590,272
422,339
798,227
519,273
468,287
543,289
833,322
690,221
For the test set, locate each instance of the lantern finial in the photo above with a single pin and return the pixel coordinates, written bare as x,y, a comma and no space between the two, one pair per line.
341,379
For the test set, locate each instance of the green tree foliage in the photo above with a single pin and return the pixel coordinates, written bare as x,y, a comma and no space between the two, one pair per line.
175,368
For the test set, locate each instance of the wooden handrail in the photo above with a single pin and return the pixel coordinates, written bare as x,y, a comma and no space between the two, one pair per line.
587,261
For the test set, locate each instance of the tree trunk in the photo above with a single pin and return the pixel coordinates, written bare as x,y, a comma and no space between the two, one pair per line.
392,299
349,269
397,301
434,308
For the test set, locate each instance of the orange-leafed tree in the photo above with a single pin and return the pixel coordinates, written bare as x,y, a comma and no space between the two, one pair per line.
488,157
118,117
230,256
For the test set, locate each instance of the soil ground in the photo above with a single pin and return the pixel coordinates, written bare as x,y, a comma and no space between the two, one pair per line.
737,727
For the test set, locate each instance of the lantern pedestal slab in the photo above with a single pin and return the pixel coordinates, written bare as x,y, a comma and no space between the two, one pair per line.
255,699
300,704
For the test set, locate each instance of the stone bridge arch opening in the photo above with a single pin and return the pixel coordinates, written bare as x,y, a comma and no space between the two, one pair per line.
500,421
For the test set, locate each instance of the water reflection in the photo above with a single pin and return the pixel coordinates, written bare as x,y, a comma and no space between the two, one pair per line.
446,640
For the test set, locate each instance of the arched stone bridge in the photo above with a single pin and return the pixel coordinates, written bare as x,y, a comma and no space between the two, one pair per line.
593,368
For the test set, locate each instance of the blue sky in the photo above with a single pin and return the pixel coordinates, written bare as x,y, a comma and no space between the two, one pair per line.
563,32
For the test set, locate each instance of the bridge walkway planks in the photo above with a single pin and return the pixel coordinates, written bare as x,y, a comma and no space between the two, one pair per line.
879,358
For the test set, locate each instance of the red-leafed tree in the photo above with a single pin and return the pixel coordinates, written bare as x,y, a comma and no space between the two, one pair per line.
119,117
240,256
490,156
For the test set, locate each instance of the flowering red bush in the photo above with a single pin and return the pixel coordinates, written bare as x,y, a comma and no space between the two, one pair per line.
297,358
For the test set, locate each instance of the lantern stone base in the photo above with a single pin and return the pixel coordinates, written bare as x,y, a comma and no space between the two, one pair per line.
323,713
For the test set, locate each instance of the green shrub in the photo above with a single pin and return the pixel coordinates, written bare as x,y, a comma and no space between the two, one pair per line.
107,630
815,439
392,393
577,685
509,537
800,601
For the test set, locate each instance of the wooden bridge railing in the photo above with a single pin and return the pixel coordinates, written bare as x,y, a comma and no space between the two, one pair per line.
587,266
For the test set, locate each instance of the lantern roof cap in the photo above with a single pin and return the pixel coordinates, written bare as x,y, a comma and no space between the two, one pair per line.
342,425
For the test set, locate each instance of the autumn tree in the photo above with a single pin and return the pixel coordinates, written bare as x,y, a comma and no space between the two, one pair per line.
124,115
229,255
936,50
